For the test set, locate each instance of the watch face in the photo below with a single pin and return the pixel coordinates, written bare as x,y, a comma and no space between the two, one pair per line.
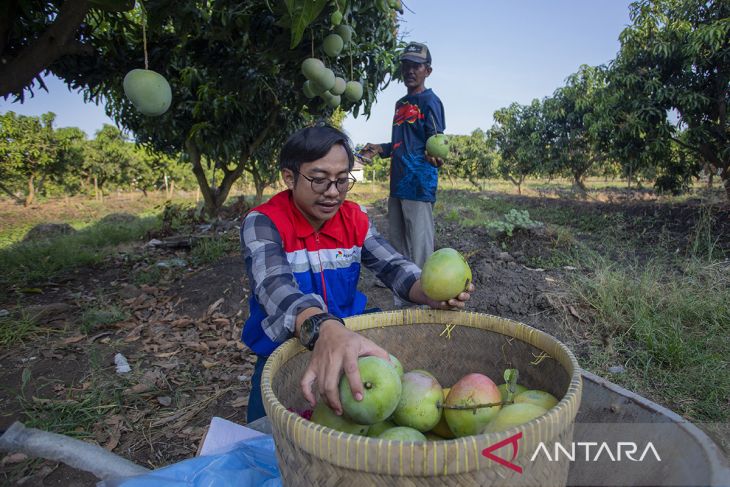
308,331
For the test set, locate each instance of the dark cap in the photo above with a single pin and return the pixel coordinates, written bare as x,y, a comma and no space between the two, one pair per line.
416,52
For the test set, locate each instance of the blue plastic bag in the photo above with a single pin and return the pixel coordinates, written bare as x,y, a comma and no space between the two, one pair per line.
249,463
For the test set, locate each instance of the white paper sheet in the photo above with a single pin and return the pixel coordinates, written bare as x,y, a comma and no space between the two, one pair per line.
223,434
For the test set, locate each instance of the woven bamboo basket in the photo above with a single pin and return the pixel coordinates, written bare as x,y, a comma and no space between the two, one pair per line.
448,344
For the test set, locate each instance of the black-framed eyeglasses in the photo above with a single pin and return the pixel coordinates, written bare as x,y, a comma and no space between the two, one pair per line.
321,185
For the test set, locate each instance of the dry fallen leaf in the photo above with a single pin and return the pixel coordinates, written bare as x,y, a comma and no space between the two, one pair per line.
182,323
164,400
166,354
74,339
208,364
114,436
239,402
221,322
13,458
213,307
575,313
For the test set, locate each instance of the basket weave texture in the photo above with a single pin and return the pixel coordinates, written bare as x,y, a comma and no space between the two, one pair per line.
448,344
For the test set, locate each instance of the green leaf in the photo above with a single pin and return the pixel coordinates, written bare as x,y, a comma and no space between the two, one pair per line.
510,378
25,378
302,13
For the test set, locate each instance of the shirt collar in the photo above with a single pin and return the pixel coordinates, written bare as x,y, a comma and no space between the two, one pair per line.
332,227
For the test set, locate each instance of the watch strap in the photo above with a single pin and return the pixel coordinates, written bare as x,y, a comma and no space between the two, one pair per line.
310,328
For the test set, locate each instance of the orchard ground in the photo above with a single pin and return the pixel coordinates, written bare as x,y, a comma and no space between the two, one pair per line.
634,283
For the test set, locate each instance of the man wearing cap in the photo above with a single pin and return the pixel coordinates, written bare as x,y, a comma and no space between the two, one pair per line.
413,173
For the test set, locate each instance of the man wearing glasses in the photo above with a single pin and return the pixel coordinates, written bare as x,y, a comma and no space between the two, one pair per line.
303,250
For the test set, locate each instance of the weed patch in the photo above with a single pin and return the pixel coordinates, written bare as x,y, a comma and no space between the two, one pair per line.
94,318
15,330
78,409
669,328
26,263
208,250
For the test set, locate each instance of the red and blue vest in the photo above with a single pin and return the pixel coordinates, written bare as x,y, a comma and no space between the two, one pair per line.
324,262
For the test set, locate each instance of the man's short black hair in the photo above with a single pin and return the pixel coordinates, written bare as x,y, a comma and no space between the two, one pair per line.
312,143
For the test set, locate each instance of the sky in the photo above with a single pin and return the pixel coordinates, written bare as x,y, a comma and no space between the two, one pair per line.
486,55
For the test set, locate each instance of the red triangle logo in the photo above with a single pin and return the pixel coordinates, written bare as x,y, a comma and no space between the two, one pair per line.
512,440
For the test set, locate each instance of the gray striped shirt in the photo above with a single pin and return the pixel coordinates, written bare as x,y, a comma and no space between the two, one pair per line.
272,281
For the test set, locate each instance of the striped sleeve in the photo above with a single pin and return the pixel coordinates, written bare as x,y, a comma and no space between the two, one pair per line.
391,267
271,278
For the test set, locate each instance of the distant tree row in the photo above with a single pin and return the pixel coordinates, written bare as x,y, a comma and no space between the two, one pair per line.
659,111
38,159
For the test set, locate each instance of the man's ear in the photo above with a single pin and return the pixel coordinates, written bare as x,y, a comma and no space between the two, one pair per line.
289,178
428,70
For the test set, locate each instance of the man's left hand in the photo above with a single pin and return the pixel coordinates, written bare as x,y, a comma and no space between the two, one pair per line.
417,295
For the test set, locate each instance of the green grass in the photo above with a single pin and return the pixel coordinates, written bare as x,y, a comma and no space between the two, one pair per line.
18,329
148,276
94,318
209,250
76,414
28,263
664,316
669,328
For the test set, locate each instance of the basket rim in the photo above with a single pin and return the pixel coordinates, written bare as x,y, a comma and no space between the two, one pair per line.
557,418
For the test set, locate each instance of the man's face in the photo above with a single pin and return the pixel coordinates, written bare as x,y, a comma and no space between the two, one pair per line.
414,75
317,207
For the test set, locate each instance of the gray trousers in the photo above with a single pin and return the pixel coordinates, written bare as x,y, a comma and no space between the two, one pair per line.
411,230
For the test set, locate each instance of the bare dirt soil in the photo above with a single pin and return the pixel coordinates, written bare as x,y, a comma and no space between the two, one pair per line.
181,337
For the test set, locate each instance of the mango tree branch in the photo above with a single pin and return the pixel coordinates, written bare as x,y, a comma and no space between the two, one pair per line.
7,191
231,177
55,42
199,172
476,406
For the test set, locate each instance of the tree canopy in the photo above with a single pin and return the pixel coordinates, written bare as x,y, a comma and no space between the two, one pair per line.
676,57
234,68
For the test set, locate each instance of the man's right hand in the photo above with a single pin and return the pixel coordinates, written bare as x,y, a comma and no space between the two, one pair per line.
336,351
371,150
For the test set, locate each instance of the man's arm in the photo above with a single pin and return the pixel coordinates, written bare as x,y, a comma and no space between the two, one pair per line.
272,280
384,150
434,118
401,275
273,283
435,123
391,267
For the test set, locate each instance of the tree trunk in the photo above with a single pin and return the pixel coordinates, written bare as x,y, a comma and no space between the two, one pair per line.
56,41
215,197
39,187
578,181
710,174
726,179
96,188
629,176
259,198
31,192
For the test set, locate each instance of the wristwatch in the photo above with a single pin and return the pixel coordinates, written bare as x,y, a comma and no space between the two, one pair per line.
309,331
